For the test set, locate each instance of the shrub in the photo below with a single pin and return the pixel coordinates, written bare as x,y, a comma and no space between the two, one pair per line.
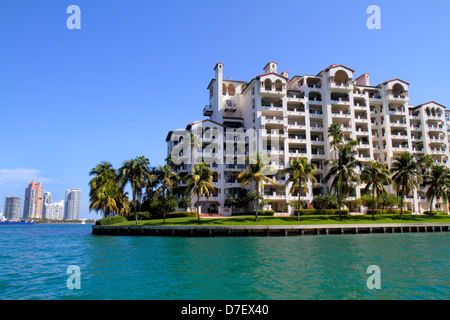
110,220
388,211
140,216
181,214
330,212
269,213
434,212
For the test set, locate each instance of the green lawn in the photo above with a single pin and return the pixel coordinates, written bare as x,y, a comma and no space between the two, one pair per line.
292,220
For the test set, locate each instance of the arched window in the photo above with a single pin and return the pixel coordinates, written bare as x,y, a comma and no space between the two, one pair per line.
397,90
224,89
231,89
341,77
268,84
278,85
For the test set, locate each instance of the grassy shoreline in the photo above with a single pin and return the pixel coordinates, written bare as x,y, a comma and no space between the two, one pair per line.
291,220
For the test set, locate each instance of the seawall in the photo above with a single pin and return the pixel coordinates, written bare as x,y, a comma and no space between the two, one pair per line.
269,230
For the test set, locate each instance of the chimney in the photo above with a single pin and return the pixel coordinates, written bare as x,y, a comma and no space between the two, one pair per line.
285,74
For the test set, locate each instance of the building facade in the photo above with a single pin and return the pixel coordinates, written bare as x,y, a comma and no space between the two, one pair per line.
54,211
33,201
72,204
12,208
290,118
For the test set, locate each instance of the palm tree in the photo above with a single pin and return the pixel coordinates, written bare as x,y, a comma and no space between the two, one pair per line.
137,173
199,183
104,190
258,173
375,175
231,201
335,131
426,163
167,178
194,142
406,175
300,171
343,171
437,180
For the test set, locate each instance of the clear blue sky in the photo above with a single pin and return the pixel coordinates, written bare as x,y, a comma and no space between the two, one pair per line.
137,69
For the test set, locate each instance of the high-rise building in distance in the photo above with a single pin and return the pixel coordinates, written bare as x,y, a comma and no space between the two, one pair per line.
12,208
72,204
54,211
33,201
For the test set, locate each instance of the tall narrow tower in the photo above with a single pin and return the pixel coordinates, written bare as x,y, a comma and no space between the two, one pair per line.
33,201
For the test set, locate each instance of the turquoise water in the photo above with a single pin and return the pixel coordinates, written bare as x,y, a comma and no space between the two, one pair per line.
34,261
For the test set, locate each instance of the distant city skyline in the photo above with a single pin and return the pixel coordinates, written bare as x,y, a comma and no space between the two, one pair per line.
38,204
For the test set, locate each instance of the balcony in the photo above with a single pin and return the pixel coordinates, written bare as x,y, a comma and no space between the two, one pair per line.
375,97
296,124
296,112
316,127
314,87
271,120
315,100
279,134
315,113
436,128
361,119
230,106
341,114
396,96
297,139
275,151
318,155
398,135
437,151
297,153
340,101
358,106
400,148
272,106
398,124
347,85
275,195
207,110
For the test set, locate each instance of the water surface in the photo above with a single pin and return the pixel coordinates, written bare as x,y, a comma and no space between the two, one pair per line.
34,261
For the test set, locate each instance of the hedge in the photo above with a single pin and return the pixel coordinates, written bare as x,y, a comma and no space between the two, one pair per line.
110,220
388,211
151,215
434,212
180,214
269,213
328,212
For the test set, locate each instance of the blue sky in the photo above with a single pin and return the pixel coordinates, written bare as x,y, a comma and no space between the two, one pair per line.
137,69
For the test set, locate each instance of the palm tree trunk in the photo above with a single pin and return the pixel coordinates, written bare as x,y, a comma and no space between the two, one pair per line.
340,199
257,201
298,204
164,205
198,207
134,201
401,203
373,204
431,208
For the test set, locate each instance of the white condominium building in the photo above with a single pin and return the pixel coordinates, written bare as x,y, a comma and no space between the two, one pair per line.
291,118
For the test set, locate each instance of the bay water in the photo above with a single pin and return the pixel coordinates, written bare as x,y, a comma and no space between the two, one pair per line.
34,261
